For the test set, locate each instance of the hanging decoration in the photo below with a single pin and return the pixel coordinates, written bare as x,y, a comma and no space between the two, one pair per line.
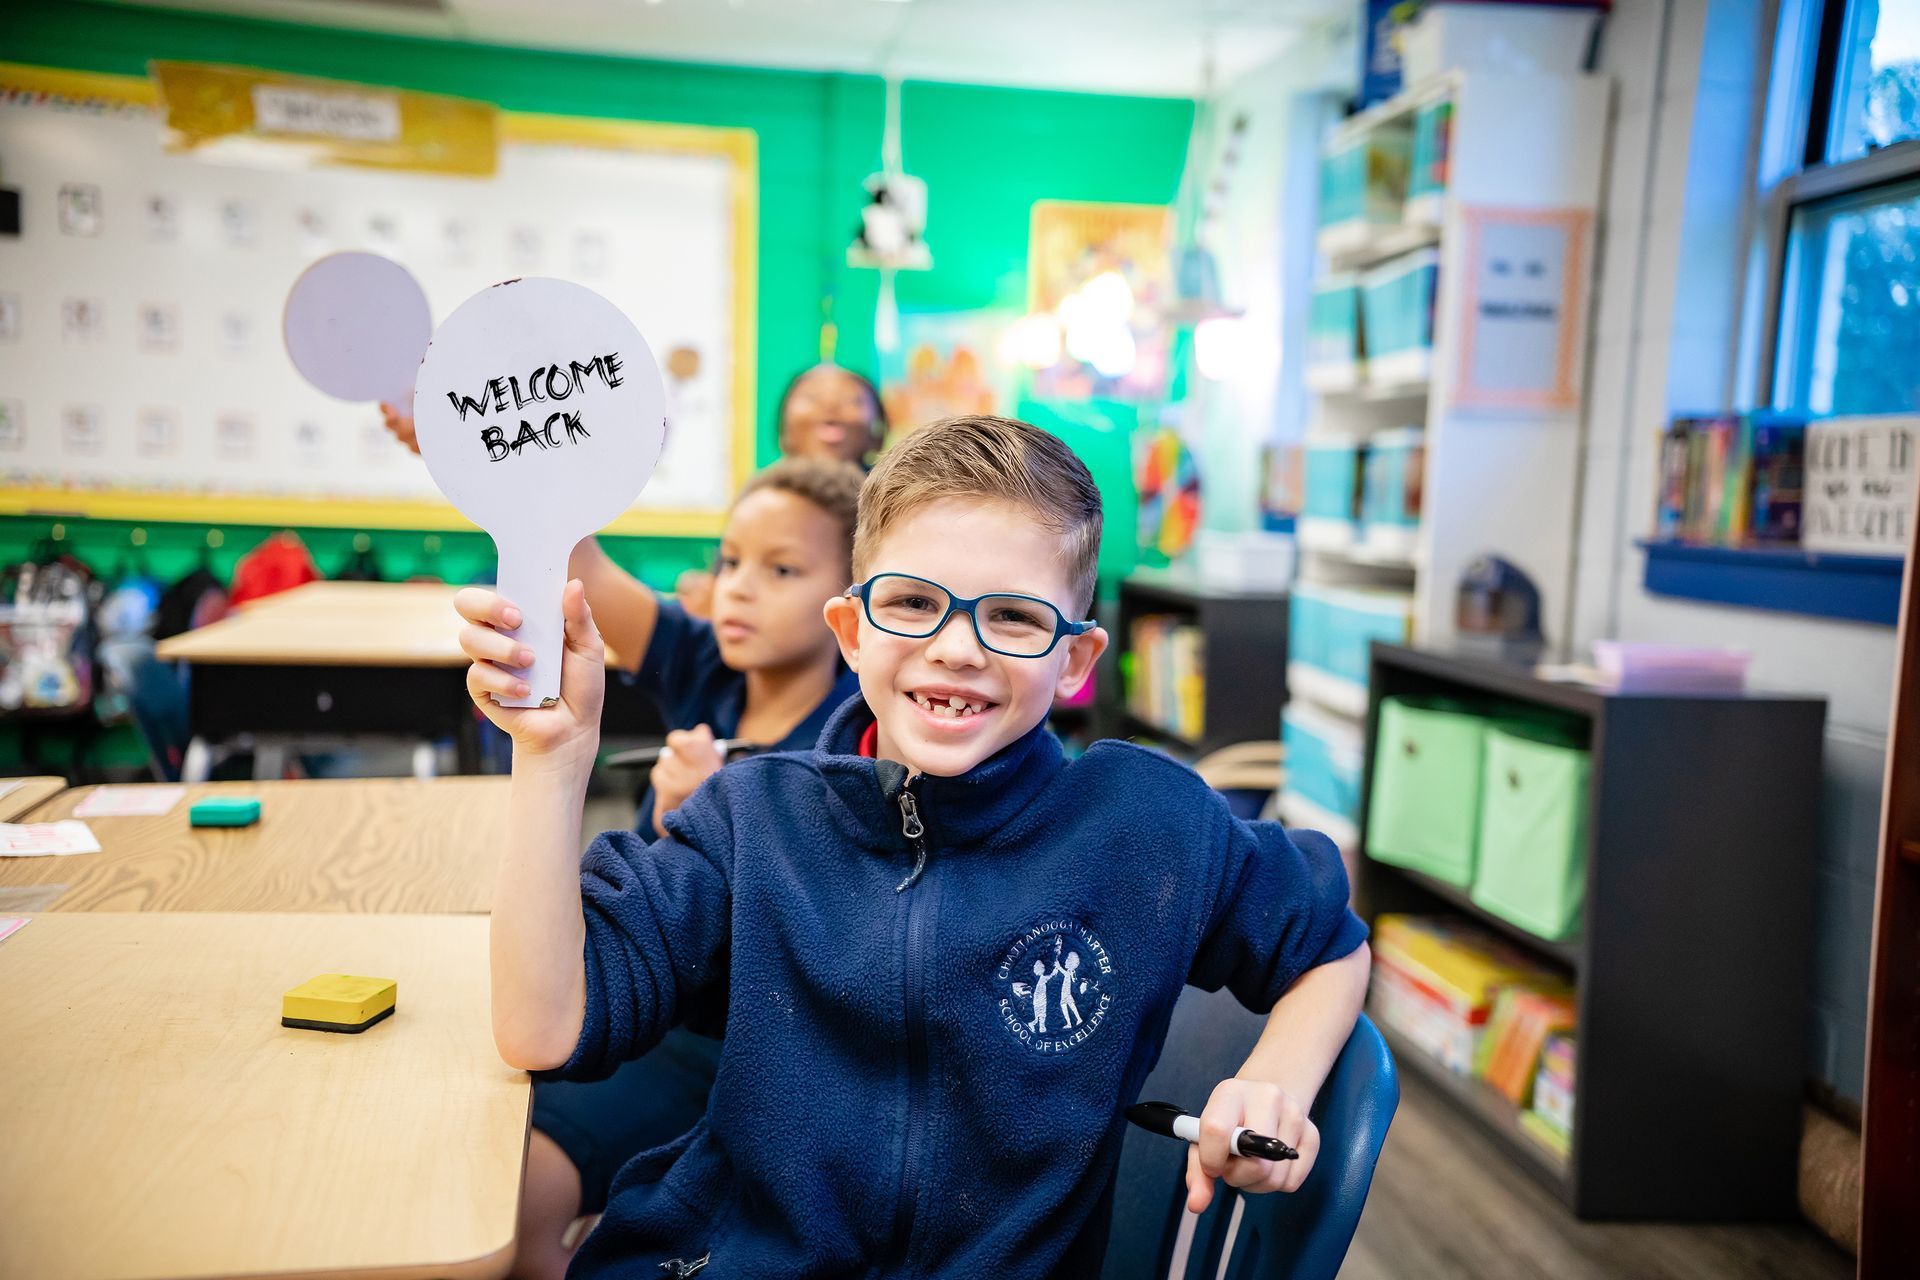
1219,337
891,226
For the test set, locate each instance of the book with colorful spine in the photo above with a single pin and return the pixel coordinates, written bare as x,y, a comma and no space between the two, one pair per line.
1524,1015
1435,980
1550,1118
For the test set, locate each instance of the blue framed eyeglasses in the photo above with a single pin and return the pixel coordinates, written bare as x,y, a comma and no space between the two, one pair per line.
1014,625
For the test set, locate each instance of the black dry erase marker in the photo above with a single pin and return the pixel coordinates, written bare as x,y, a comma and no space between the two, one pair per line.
729,748
1170,1121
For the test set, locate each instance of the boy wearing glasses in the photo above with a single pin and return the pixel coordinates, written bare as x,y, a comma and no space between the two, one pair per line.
946,958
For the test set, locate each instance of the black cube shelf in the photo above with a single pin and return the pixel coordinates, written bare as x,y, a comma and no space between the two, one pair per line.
1692,965
1243,655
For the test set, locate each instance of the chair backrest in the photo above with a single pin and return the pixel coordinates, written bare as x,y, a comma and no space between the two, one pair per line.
158,701
1302,1236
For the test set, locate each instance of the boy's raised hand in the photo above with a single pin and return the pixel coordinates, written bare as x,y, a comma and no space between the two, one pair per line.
568,730
399,425
1264,1108
690,757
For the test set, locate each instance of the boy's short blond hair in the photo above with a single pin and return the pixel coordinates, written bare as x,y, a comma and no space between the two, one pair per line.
993,459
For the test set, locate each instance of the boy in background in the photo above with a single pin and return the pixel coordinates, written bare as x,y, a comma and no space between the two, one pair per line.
946,958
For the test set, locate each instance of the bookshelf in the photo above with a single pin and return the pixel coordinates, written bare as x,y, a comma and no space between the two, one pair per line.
1239,632
1691,963
1385,362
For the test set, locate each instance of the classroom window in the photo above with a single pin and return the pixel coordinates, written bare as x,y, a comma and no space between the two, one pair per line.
1851,319
1875,78
1846,217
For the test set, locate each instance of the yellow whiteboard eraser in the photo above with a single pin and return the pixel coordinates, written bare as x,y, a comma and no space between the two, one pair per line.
338,1002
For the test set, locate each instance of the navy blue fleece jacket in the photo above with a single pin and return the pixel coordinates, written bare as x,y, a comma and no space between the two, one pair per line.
924,1076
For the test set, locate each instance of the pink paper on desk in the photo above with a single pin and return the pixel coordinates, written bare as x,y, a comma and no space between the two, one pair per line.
38,839
128,802
10,925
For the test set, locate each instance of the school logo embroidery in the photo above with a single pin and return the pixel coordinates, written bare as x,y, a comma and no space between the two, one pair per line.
1055,983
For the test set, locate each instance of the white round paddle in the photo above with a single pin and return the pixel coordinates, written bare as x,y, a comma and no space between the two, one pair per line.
540,414
356,325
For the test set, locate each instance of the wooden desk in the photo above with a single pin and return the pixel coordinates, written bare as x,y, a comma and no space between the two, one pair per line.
340,658
27,794
367,845
160,1122
332,624
332,659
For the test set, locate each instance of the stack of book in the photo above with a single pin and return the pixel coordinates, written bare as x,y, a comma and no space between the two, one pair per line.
1732,479
1435,982
1166,682
1466,1000
1524,1015
1550,1118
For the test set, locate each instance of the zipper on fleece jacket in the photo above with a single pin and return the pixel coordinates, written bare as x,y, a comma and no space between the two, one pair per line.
913,998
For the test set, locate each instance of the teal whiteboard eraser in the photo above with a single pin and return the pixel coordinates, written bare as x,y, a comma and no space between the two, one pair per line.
225,811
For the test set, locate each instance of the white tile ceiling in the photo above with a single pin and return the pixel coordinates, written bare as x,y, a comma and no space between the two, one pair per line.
1112,46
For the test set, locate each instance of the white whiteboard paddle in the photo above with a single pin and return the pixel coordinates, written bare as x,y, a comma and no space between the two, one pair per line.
356,325
540,414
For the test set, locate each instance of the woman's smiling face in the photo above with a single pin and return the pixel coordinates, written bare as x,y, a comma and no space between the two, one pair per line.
830,413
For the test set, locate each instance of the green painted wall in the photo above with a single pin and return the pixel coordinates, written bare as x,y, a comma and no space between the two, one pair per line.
986,154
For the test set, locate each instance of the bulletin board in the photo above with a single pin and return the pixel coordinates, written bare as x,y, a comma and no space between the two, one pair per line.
142,371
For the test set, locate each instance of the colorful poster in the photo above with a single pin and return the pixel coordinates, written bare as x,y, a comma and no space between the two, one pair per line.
1102,274
952,367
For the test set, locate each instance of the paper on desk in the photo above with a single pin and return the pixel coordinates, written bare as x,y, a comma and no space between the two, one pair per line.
128,802
38,839
29,897
10,924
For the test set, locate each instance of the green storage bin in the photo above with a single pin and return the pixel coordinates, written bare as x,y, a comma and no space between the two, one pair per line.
1425,807
1532,863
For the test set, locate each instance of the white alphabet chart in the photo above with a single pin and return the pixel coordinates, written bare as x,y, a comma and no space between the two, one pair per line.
142,372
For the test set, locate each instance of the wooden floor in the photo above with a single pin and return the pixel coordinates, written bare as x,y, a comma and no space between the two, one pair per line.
1449,1205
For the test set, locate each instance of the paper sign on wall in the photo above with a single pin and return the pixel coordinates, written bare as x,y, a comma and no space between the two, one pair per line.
540,414
1523,299
1860,485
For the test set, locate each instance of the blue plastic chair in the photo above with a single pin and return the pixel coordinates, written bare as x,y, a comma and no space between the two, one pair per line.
1302,1236
157,699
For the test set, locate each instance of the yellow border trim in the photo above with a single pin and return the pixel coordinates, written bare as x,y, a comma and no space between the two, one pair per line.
133,90
317,513
740,147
